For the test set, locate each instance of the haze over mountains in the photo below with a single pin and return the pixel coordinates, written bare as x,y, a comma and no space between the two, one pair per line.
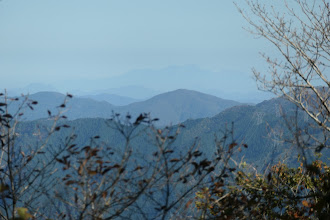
261,127
142,84
171,107
112,98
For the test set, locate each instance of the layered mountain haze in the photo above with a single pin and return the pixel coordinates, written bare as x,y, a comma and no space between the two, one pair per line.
75,108
31,89
171,108
112,98
142,84
261,127
131,91
162,110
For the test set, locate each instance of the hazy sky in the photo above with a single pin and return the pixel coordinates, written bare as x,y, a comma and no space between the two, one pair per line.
48,41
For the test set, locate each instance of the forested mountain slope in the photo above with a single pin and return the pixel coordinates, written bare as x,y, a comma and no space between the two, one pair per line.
261,127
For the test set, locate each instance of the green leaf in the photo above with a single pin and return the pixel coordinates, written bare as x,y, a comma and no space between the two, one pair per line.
23,213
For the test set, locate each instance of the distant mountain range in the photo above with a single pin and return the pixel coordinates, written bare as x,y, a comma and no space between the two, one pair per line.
261,127
75,107
222,83
111,98
132,91
171,107
142,84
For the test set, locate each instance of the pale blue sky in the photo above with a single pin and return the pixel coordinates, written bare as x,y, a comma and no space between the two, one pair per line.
47,41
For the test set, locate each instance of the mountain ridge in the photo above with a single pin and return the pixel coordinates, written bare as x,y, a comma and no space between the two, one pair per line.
258,127
171,107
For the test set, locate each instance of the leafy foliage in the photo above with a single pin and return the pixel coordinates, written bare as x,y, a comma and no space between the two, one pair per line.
283,193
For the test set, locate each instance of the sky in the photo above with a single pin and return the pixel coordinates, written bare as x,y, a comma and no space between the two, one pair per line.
51,42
